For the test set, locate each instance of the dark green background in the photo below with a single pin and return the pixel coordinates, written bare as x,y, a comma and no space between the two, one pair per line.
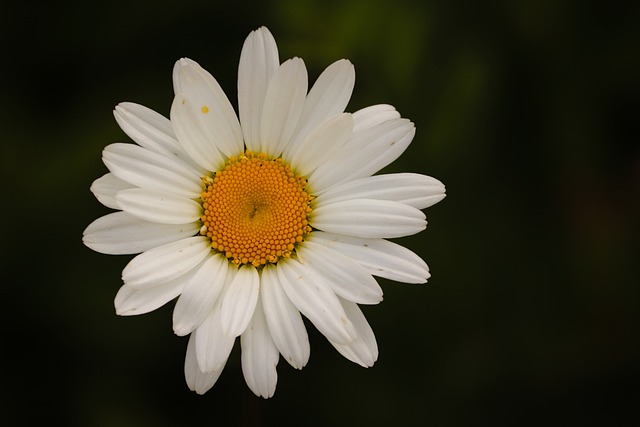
526,110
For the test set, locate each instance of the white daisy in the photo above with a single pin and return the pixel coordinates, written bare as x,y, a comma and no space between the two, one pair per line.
253,222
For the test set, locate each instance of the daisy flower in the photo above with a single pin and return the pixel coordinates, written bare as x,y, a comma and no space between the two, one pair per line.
254,220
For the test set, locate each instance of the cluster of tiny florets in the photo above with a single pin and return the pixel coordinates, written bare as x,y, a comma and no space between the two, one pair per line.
255,209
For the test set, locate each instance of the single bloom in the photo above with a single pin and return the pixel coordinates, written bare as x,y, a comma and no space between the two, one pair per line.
254,220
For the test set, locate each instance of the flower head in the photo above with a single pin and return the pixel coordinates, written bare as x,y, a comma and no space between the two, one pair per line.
254,220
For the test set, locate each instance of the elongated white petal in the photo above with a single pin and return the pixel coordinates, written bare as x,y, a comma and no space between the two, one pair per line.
364,349
122,233
157,206
284,320
365,153
106,187
259,356
321,144
212,345
346,278
192,135
369,218
197,381
419,191
131,301
146,169
164,263
199,295
373,115
147,128
328,97
258,62
378,256
313,297
239,301
210,109
282,106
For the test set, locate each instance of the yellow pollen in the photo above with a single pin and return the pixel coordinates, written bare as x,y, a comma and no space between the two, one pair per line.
255,209
204,109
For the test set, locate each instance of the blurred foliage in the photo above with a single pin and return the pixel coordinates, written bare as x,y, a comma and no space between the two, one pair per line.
526,110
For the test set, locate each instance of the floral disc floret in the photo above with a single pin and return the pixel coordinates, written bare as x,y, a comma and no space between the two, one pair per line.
255,209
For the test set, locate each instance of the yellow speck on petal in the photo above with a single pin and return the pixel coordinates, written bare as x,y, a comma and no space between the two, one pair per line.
255,209
204,109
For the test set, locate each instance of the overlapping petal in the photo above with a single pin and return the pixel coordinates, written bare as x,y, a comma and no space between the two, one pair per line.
106,187
283,104
258,62
315,299
259,356
147,128
418,191
200,294
212,345
146,169
208,108
369,218
346,279
365,153
364,349
158,206
321,143
122,233
378,256
130,301
239,301
197,380
193,137
283,319
373,115
166,262
328,97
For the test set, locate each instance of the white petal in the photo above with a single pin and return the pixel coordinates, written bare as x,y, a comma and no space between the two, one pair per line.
419,191
106,187
321,144
199,295
210,106
365,153
378,256
363,350
328,97
197,381
239,301
131,301
122,233
192,135
373,115
167,262
212,345
313,297
282,106
259,356
284,320
156,206
147,128
346,278
146,169
369,218
258,62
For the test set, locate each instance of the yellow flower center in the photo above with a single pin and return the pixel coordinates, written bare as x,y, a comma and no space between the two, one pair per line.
255,209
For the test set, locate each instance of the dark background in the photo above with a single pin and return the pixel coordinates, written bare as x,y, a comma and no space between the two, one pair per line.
526,110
